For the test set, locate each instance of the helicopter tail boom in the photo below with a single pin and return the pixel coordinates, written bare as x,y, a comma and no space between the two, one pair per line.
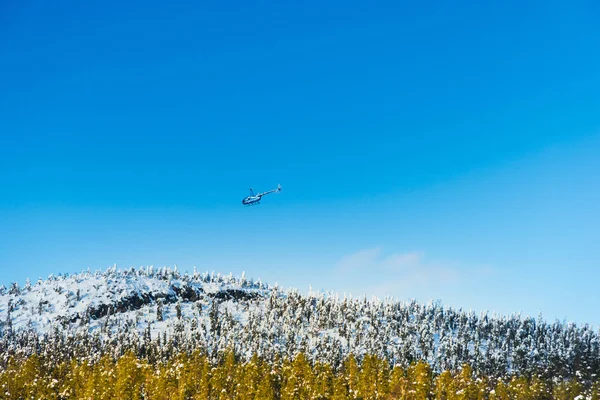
277,190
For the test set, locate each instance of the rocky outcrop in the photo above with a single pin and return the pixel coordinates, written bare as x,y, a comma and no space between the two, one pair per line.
234,294
185,293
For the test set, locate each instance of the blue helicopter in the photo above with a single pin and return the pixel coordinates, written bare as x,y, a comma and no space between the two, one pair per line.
255,198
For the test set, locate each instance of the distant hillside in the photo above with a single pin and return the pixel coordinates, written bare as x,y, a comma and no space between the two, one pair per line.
159,312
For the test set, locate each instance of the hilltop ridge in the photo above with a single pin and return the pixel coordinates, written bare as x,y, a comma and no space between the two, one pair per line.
156,312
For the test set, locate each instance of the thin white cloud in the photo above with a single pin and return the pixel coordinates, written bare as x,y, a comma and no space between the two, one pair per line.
371,272
403,261
358,260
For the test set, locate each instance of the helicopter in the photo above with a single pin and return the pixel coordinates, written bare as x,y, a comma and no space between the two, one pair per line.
254,199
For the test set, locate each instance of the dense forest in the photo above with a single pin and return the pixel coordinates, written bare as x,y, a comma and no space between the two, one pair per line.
171,330
193,376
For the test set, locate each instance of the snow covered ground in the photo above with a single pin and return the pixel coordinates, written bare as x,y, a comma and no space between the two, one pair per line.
86,300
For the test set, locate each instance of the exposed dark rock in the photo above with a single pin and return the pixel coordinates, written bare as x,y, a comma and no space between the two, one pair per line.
181,293
234,294
187,292
133,302
99,311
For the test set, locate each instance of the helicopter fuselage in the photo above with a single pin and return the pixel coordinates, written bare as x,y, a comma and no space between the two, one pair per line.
251,200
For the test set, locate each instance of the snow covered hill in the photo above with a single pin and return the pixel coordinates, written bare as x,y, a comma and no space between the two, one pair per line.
147,296
158,312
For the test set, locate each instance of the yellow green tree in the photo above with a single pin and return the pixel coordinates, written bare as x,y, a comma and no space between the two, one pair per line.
340,388
500,392
398,385
464,387
129,378
298,378
248,379
444,386
323,382
567,390
420,381
265,388
351,373
367,384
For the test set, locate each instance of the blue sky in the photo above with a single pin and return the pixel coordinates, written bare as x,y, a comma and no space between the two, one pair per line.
439,150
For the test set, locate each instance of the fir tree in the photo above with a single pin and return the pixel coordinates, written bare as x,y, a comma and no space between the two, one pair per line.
159,310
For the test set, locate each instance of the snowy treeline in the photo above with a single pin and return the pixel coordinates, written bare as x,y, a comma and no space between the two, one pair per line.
160,312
